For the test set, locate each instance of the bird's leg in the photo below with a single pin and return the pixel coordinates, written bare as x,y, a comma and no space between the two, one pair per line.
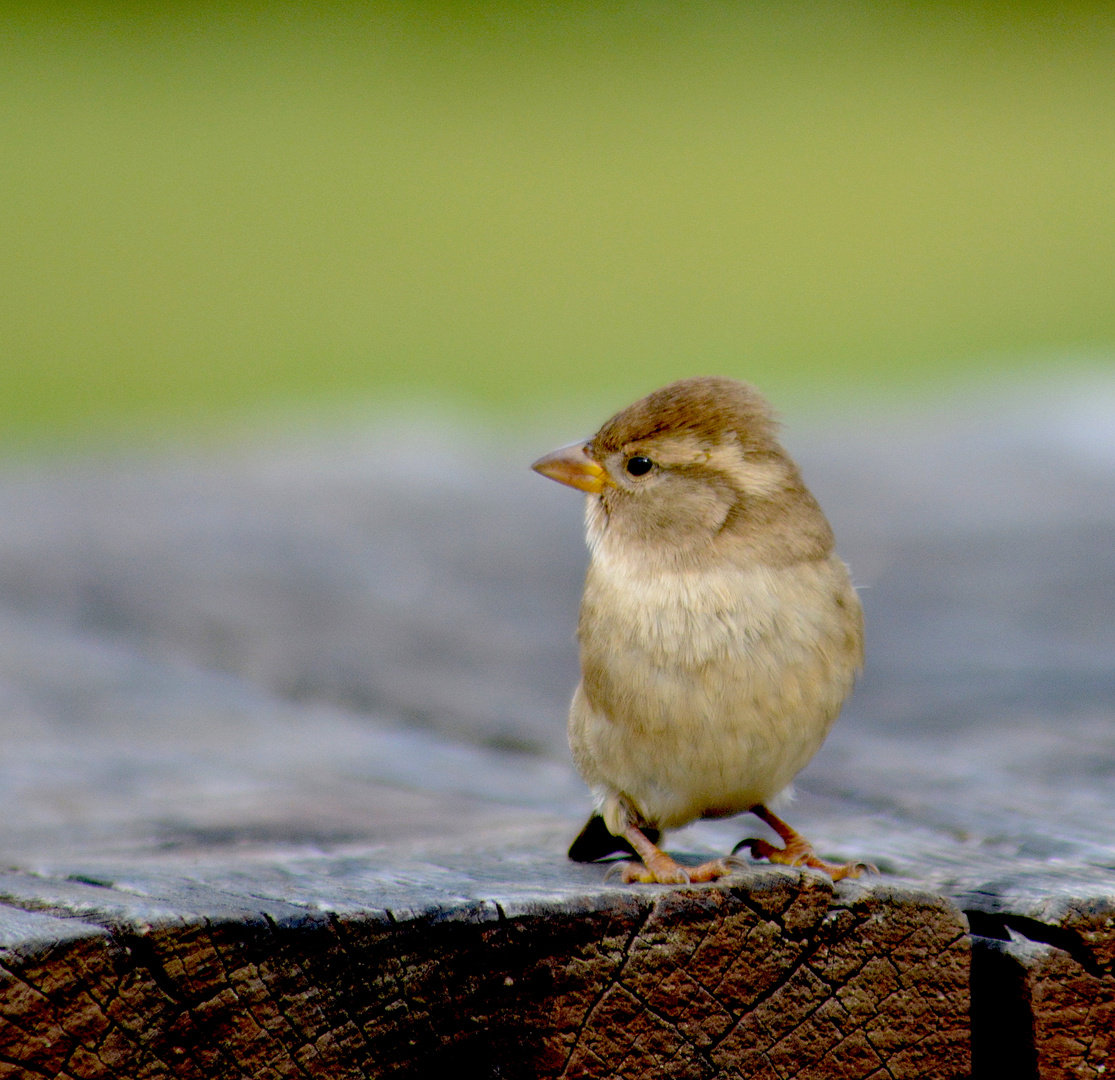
658,867
798,851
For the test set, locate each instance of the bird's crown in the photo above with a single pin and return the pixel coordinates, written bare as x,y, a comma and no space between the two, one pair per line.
707,407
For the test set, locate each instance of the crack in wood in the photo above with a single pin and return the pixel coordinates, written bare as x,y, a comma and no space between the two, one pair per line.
607,987
764,980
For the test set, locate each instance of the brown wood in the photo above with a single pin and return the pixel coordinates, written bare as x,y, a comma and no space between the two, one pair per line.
1056,996
779,975
284,792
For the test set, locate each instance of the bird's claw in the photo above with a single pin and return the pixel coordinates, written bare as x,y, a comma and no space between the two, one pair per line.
638,873
665,871
798,853
617,871
717,869
658,870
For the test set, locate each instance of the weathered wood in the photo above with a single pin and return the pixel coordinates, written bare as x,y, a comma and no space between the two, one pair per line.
779,975
1055,990
280,729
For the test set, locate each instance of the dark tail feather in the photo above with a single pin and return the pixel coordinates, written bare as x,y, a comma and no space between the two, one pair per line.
595,842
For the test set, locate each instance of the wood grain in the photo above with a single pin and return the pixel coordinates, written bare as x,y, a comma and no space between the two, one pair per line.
284,789
778,975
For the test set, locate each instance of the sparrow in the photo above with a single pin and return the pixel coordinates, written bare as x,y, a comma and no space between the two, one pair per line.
719,633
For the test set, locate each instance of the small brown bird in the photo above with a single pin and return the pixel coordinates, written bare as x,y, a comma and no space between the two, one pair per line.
719,632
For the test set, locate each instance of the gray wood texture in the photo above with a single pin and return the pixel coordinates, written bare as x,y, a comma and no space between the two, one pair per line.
298,971
260,706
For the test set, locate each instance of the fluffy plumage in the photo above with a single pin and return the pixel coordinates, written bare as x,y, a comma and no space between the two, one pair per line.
719,632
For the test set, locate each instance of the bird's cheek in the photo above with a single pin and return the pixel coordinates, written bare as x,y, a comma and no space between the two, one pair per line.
596,518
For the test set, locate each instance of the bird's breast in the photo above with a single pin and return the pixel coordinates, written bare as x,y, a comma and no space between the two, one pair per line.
708,692
690,620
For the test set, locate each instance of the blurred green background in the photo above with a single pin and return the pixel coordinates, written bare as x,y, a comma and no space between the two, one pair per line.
213,212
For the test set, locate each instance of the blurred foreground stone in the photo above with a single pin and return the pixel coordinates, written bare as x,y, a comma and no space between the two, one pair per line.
284,789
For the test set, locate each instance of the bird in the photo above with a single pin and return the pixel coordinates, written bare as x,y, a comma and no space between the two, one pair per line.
719,632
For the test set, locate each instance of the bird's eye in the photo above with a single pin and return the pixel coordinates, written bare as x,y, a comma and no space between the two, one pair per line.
639,466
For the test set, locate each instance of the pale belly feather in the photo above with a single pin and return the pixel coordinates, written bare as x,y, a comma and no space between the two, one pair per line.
705,694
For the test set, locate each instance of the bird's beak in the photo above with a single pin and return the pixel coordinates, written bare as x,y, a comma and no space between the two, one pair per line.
574,466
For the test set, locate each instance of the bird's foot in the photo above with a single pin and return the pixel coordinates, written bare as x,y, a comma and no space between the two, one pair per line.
657,868
797,851
655,871
663,870
802,854
716,869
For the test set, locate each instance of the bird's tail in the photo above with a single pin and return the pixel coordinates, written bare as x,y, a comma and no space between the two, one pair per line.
594,842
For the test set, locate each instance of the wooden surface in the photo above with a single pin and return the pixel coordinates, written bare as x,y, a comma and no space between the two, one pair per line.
284,778
299,973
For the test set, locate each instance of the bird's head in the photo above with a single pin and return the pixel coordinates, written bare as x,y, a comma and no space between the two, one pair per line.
693,471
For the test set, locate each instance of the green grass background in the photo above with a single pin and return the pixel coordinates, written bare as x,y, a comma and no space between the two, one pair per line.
210,212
